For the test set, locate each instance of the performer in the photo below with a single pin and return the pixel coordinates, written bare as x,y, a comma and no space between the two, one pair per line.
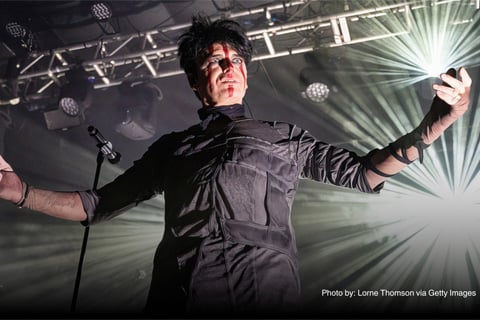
229,183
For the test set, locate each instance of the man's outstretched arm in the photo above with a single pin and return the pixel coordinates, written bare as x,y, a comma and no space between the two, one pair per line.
63,205
451,102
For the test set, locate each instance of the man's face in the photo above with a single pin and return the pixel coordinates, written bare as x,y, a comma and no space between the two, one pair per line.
221,77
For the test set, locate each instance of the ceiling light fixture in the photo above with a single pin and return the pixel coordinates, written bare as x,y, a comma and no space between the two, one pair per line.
316,92
15,30
21,34
315,83
75,97
101,11
70,106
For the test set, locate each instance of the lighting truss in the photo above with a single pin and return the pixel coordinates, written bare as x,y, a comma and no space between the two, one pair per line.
114,61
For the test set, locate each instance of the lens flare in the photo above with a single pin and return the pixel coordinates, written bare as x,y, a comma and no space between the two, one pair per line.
421,232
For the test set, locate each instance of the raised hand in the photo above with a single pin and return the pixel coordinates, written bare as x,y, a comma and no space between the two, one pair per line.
455,92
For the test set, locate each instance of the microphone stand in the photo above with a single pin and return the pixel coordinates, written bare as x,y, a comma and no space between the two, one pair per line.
100,158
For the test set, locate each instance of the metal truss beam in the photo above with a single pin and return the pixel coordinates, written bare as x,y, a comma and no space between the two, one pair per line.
114,61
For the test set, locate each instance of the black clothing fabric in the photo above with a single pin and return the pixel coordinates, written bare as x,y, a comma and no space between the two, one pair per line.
229,184
233,111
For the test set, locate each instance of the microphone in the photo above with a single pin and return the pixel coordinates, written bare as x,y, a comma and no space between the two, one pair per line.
105,146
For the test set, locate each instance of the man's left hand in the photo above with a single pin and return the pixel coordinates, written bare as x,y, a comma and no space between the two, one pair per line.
455,92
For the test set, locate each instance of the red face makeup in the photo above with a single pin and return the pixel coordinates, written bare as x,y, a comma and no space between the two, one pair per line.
222,78
229,66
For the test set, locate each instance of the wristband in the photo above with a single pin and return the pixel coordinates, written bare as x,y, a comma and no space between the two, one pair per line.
21,202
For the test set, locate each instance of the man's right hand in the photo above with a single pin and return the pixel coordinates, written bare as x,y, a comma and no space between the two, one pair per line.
64,205
11,187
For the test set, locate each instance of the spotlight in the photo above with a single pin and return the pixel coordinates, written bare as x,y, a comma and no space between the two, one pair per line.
101,11
22,35
75,97
433,64
70,106
316,92
316,85
15,30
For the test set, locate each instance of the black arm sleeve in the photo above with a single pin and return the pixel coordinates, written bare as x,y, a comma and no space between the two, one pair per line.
329,164
140,182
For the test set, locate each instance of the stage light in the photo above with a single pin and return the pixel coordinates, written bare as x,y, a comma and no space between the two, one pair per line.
16,30
20,34
434,70
439,36
74,99
101,11
315,85
433,63
70,106
70,112
73,95
316,92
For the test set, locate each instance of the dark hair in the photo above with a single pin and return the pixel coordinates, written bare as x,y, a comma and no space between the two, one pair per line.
195,43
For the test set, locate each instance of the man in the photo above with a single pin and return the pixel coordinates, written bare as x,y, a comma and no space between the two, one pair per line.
229,184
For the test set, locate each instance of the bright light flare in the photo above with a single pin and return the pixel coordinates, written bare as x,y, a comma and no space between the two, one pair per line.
435,67
440,36
421,232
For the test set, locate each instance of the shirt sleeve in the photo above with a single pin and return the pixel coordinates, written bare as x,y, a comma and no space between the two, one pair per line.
138,183
326,163
89,201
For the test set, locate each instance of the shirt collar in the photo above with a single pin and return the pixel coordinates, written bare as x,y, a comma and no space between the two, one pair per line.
233,111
